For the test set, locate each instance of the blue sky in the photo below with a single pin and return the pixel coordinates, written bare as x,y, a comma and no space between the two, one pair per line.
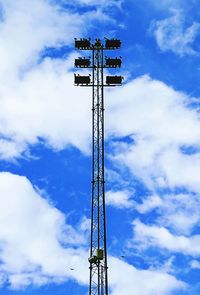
152,147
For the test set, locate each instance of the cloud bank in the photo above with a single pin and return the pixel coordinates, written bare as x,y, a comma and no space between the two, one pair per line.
38,246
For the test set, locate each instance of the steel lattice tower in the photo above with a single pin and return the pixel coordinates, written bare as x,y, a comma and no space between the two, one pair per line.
98,249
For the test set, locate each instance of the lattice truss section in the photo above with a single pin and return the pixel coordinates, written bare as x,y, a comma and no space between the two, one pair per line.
98,267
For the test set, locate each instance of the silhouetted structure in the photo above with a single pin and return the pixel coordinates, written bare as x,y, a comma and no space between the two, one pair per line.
98,249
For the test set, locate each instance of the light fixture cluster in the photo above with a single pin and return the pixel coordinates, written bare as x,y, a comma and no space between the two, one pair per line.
83,62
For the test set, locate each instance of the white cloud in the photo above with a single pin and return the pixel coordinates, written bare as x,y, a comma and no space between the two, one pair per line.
37,245
114,177
119,199
38,98
173,162
171,35
149,203
162,238
126,279
161,126
178,212
46,105
195,264
26,30
158,120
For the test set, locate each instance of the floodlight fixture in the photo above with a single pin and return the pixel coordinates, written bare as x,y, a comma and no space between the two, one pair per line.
83,44
114,80
82,62
113,62
83,80
112,43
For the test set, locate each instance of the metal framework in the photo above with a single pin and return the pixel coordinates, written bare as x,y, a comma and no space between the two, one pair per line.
98,248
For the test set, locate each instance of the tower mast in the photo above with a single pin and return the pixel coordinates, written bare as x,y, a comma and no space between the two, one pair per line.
98,248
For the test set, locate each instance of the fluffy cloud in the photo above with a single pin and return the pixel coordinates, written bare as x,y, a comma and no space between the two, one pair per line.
39,101
37,245
177,212
119,199
159,123
126,279
27,30
45,106
195,264
149,203
171,35
160,237
163,152
37,96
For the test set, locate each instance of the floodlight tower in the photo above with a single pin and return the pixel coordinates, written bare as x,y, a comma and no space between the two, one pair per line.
98,250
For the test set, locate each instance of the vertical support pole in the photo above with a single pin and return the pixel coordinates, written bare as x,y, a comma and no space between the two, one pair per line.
98,267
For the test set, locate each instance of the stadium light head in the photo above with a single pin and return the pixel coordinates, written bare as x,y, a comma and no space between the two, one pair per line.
114,80
113,62
112,43
82,80
83,44
82,62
